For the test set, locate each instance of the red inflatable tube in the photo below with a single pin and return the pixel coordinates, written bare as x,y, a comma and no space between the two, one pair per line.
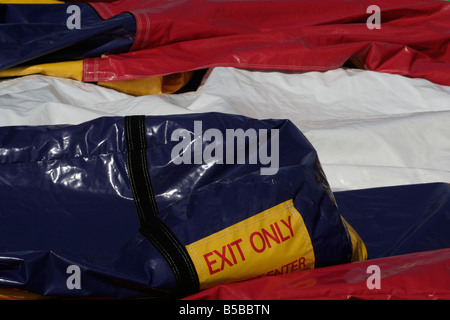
306,35
415,276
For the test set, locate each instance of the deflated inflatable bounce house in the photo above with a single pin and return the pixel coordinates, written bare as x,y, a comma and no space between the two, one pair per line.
238,150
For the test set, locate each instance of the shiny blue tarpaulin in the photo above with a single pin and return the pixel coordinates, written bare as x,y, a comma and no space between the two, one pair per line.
66,200
39,33
399,219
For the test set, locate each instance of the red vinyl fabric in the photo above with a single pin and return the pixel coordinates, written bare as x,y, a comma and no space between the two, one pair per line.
308,35
414,276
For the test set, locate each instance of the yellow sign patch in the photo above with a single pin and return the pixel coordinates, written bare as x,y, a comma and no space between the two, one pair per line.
272,242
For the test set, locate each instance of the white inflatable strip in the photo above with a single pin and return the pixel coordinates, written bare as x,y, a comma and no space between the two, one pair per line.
370,129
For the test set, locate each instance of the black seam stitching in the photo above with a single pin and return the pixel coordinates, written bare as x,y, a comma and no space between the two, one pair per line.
137,160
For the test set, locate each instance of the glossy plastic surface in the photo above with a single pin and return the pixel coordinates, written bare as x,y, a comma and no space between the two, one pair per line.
38,33
405,229
176,36
65,200
414,276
